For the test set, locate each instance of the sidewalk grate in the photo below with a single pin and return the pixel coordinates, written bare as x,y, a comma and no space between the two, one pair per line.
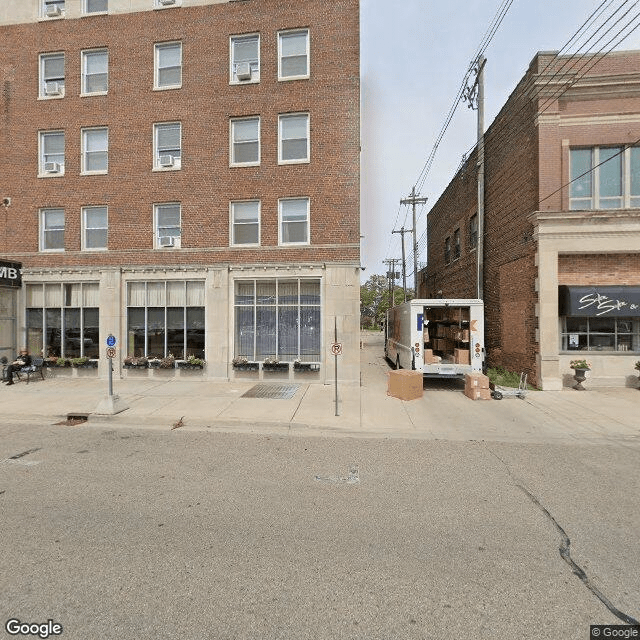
272,391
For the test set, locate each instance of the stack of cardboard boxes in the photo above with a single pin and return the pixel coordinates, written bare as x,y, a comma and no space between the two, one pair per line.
476,386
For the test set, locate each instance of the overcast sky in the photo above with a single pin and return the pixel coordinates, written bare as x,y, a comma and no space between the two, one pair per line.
414,55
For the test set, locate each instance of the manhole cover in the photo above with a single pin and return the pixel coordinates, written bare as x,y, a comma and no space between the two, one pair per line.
272,391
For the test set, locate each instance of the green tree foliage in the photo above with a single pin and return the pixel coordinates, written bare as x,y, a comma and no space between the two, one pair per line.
375,297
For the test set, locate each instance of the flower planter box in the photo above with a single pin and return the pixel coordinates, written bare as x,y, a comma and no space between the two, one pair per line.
248,366
190,367
306,367
276,366
131,365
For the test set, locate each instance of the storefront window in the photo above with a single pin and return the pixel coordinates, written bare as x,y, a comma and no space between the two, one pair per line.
600,334
278,318
62,319
165,317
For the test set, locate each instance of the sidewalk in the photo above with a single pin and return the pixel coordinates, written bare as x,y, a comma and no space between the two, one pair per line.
365,410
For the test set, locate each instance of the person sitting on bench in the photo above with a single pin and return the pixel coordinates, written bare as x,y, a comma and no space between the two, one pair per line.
23,360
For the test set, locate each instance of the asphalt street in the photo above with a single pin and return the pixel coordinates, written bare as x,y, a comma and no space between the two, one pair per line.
141,534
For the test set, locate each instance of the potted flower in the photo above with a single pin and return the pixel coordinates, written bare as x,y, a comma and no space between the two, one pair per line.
79,362
191,363
298,365
240,363
63,362
580,367
154,362
273,364
169,362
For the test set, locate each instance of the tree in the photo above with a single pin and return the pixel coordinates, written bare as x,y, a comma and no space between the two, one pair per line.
375,300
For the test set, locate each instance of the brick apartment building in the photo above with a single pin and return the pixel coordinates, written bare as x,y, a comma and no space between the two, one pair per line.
562,223
183,175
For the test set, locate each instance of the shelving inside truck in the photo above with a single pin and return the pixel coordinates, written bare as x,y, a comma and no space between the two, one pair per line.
446,335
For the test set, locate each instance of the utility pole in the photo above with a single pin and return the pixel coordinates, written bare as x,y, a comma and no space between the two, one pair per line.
404,263
391,264
413,200
475,96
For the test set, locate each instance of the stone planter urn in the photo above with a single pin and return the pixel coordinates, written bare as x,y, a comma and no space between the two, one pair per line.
580,368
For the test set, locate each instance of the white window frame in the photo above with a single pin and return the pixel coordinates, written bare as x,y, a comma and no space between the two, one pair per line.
85,55
232,142
44,4
232,224
157,47
42,79
595,200
290,32
43,229
84,134
42,157
157,229
86,227
157,154
281,241
283,117
87,12
255,72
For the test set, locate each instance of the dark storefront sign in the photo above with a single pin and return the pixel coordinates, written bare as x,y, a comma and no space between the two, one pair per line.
623,301
10,274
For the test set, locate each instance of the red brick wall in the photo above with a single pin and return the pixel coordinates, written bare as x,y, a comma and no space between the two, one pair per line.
599,269
204,105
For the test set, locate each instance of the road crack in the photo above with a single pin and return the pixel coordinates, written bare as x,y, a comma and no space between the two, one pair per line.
565,546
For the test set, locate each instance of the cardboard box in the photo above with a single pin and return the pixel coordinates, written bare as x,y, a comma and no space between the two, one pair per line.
429,358
476,381
461,356
478,394
404,384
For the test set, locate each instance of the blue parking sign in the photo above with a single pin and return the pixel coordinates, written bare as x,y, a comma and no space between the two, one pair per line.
111,341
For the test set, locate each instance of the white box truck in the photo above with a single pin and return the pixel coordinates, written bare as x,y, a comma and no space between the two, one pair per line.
441,338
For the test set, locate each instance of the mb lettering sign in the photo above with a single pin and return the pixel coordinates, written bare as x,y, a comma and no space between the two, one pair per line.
10,274
599,301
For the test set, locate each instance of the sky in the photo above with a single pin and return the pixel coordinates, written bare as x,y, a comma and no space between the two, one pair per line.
414,56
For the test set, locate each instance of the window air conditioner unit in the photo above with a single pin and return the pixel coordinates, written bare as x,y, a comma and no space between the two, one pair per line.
52,167
52,11
52,88
243,71
166,161
167,241
166,2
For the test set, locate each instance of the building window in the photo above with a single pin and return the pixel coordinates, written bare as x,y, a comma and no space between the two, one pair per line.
447,250
293,138
456,244
294,221
245,58
245,141
51,75
278,318
95,72
168,65
473,231
95,150
293,55
605,178
600,334
51,157
167,145
165,317
95,228
52,230
245,223
52,8
96,6
166,222
63,319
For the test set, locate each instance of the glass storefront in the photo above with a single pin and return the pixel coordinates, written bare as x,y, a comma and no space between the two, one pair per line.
62,319
166,317
8,310
278,319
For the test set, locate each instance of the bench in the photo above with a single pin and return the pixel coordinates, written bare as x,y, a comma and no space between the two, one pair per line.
36,366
